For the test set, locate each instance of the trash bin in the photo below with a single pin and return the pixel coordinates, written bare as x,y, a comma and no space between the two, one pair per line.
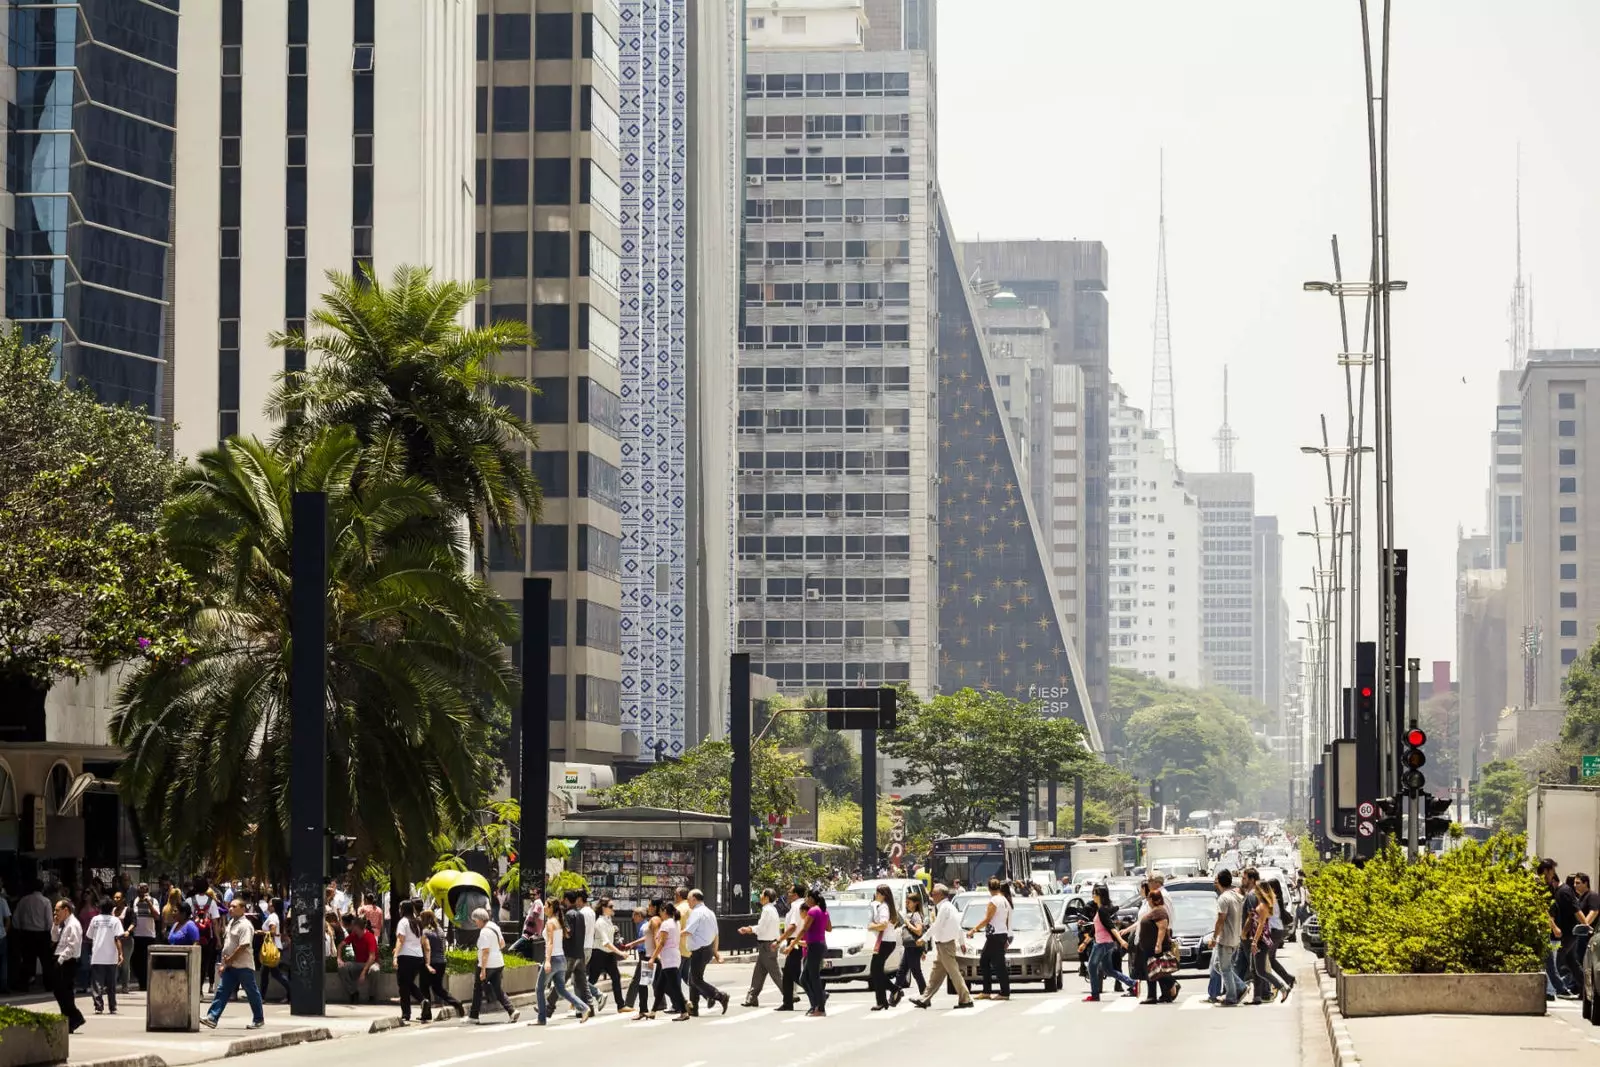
173,1002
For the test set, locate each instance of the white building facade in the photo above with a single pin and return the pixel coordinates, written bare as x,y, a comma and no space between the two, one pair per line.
1155,554
310,137
1227,579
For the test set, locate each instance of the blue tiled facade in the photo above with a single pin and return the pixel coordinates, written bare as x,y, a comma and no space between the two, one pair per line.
89,161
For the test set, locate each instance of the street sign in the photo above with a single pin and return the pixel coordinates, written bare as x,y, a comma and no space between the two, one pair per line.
1365,828
1591,766
1366,809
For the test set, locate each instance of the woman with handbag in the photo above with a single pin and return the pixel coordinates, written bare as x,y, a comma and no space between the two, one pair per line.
913,924
884,920
1155,946
996,922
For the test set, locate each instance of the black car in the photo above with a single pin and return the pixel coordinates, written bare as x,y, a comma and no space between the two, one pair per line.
1311,933
1192,903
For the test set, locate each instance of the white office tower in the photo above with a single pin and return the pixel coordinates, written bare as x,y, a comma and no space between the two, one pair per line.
1154,553
310,136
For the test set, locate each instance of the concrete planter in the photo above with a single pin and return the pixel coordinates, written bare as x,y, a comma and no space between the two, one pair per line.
1443,994
385,986
24,1046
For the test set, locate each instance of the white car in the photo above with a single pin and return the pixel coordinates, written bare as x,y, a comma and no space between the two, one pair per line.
851,944
898,887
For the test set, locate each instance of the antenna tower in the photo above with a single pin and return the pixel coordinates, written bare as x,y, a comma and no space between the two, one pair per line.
1225,438
1520,324
1163,416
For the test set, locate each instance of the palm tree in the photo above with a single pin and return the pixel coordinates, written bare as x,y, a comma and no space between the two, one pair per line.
418,687
394,362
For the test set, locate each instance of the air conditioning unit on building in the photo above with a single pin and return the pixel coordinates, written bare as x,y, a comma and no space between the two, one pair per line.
811,305
830,262
905,218
872,305
813,594
752,179
835,514
833,179
856,218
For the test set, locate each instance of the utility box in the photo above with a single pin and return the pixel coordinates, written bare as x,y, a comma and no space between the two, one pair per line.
173,1002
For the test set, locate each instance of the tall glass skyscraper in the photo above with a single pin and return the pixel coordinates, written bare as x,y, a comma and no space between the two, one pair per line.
89,159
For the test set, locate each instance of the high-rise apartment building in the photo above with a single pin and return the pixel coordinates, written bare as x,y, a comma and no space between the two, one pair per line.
1482,649
1067,280
1269,622
1505,468
310,137
837,534
607,162
91,94
1559,565
1154,553
1227,579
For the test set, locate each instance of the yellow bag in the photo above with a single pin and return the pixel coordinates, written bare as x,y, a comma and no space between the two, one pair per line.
269,953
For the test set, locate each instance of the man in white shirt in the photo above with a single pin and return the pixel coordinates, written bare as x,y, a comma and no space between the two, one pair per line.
68,937
491,965
105,934
580,969
943,934
236,967
702,938
789,944
31,925
766,930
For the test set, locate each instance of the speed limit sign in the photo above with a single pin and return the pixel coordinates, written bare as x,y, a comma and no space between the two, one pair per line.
1366,810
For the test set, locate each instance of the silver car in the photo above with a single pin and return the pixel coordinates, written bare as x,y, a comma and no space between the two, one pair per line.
1035,951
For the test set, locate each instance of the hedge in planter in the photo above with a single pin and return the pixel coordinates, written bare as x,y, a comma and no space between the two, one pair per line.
1478,908
32,1036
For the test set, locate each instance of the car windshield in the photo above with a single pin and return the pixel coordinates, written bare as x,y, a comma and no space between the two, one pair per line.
1192,912
1026,918
851,916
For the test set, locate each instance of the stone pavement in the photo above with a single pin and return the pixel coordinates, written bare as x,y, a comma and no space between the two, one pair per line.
1560,1038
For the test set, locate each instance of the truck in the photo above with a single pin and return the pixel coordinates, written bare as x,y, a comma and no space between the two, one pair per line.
1176,855
1096,857
1564,825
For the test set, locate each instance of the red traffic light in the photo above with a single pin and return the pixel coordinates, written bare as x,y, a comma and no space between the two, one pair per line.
1416,738
1366,691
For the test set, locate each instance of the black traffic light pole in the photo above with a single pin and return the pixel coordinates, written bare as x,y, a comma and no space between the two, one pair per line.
867,710
308,758
533,785
739,786
869,803
1077,806
1369,755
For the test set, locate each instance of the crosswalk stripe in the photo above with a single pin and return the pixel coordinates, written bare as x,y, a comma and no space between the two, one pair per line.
1195,1003
1048,1007
1121,1004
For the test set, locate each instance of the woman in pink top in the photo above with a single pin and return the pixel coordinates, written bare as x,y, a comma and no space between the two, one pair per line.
814,938
668,957
1107,938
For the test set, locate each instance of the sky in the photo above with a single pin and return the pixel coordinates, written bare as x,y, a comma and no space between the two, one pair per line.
1052,115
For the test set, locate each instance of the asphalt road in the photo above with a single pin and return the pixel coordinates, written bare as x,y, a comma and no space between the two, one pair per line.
1032,1027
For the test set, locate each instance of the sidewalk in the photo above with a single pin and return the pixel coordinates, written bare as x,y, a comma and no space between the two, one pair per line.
1562,1036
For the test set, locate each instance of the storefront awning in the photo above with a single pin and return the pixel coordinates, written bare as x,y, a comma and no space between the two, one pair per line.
623,823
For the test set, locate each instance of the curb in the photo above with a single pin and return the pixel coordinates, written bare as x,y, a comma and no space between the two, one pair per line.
147,1060
1344,1050
267,1042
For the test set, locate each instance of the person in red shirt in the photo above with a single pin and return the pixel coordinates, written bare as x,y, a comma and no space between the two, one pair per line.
364,946
372,915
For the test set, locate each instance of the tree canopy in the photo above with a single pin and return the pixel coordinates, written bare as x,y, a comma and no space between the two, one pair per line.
827,754
85,577
966,757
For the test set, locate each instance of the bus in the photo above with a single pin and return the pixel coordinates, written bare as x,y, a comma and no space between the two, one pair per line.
973,859
1053,854
1247,828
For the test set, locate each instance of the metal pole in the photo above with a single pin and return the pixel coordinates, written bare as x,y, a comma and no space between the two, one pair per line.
308,759
739,785
1050,806
1413,670
534,785
869,803
1022,812
1077,807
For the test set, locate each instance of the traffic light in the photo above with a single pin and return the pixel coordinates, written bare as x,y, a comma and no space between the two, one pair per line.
1412,759
1155,791
1436,812
1388,820
1366,687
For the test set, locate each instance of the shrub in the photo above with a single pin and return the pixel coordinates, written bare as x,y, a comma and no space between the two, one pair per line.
465,960
1478,908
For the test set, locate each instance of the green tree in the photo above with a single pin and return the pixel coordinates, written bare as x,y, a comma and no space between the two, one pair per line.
85,577
418,684
701,781
965,757
394,362
1580,731
828,754
1501,788
839,823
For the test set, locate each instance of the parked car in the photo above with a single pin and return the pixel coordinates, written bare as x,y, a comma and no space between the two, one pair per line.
1311,933
850,943
1035,951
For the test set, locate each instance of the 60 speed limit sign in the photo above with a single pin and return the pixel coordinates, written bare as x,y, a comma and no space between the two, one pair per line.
1366,809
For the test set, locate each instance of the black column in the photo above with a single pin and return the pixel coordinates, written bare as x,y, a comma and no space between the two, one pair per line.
534,785
1368,757
1397,685
1022,811
1050,806
739,787
308,727
1077,806
869,803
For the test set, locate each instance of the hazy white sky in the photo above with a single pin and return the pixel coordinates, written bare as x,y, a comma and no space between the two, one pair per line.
1051,117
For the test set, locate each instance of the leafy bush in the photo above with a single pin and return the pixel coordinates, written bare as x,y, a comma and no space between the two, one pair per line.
22,1017
465,960
1478,908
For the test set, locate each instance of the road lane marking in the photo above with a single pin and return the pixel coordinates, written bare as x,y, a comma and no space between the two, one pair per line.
1047,1007
735,1020
1196,1003
784,1036
1121,1004
695,1063
1043,1030
480,1055
978,1008
1000,1057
